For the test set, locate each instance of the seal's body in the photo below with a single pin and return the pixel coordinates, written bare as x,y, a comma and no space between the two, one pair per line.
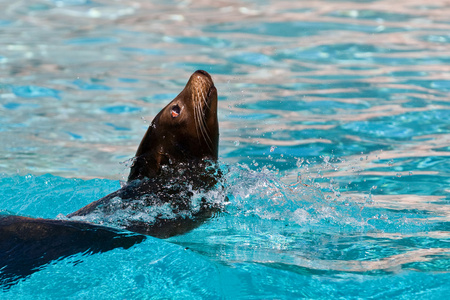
175,161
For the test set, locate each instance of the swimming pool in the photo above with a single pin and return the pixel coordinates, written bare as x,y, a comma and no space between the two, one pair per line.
334,121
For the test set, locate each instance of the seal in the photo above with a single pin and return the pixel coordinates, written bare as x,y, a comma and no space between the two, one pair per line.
175,159
174,167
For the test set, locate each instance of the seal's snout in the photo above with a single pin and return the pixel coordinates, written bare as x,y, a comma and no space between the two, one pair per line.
202,72
200,87
201,77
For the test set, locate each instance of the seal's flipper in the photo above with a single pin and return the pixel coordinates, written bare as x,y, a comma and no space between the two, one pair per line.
27,244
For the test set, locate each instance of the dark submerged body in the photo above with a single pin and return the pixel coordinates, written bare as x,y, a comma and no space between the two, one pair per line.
176,157
27,244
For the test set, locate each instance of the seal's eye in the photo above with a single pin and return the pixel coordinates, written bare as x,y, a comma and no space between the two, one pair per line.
175,112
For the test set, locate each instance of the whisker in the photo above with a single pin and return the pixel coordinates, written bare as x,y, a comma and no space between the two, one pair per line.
204,129
204,100
196,119
202,122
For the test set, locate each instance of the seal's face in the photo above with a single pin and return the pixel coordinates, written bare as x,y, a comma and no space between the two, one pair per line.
191,118
185,131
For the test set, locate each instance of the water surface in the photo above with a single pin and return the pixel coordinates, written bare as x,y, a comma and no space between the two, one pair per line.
335,139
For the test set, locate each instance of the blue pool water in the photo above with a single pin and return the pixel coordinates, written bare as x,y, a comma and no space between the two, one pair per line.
334,141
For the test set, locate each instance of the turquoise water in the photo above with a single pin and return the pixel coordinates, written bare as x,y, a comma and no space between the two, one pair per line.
335,139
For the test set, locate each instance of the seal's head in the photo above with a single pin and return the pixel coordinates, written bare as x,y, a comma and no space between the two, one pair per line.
185,131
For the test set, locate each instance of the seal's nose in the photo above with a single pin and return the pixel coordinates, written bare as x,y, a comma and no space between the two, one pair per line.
200,81
202,72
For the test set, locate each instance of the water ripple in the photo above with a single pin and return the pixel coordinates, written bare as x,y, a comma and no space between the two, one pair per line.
347,98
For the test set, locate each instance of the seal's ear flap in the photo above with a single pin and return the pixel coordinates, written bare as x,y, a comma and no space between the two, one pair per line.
144,164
